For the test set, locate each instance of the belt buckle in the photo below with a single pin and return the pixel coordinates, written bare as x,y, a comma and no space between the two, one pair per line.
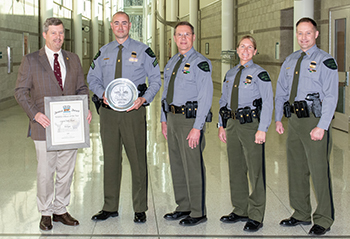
172,109
233,115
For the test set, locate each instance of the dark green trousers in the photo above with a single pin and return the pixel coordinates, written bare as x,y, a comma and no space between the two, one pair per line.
246,158
128,129
309,158
187,166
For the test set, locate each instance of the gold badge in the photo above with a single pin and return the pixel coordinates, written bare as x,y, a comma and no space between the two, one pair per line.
187,66
313,64
312,67
248,80
133,57
133,54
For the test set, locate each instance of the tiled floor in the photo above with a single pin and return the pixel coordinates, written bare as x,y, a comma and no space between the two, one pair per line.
19,217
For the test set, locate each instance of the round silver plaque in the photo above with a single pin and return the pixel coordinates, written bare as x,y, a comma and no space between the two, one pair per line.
121,94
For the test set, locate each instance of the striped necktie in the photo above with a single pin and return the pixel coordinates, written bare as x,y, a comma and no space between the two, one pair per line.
57,70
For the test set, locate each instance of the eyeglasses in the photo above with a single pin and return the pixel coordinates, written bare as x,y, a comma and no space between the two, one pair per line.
186,35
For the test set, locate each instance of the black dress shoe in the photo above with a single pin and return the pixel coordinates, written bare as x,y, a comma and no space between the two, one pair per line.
103,215
176,215
252,226
140,217
66,219
233,217
45,223
291,222
192,221
318,230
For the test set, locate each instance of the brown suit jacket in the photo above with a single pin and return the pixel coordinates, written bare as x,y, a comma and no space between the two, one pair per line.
36,80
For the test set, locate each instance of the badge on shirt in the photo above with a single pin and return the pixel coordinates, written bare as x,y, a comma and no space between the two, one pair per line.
204,66
312,66
186,68
248,80
264,76
133,57
95,58
330,63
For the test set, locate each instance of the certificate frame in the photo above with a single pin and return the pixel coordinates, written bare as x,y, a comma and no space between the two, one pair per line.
69,128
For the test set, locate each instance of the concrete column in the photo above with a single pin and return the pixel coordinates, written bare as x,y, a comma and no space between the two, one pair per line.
106,20
154,26
227,31
173,17
78,25
145,22
162,35
194,6
46,11
302,8
94,21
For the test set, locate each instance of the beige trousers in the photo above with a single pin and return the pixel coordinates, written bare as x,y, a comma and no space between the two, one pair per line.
53,194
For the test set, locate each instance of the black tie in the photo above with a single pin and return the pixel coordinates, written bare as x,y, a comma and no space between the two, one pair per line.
118,65
293,93
170,93
234,95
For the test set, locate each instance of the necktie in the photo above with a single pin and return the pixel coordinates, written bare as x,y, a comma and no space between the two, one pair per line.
118,66
293,93
234,95
57,70
170,93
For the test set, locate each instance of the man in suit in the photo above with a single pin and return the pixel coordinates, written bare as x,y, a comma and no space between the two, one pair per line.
50,71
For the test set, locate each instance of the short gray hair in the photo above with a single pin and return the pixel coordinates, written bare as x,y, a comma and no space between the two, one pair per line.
52,21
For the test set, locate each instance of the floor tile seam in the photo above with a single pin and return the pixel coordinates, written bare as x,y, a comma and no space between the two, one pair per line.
162,236
153,202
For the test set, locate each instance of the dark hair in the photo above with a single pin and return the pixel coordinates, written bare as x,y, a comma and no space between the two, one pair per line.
121,12
307,19
249,38
52,21
184,23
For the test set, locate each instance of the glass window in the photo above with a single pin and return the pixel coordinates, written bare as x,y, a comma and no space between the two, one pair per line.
87,9
131,3
340,40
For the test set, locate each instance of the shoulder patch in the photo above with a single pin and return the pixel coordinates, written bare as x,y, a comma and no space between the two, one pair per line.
150,52
264,76
92,65
330,63
204,66
155,62
97,55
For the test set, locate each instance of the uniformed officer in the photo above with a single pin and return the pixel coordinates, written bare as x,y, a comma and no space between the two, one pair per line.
309,131
246,107
188,92
128,128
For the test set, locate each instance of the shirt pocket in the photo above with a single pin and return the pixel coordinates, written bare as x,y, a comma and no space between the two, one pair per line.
134,67
188,80
108,68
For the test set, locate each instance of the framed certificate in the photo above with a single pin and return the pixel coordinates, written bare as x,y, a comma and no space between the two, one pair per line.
69,128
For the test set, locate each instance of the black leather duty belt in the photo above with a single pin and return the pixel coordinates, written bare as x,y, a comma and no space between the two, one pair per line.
106,106
236,116
177,109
